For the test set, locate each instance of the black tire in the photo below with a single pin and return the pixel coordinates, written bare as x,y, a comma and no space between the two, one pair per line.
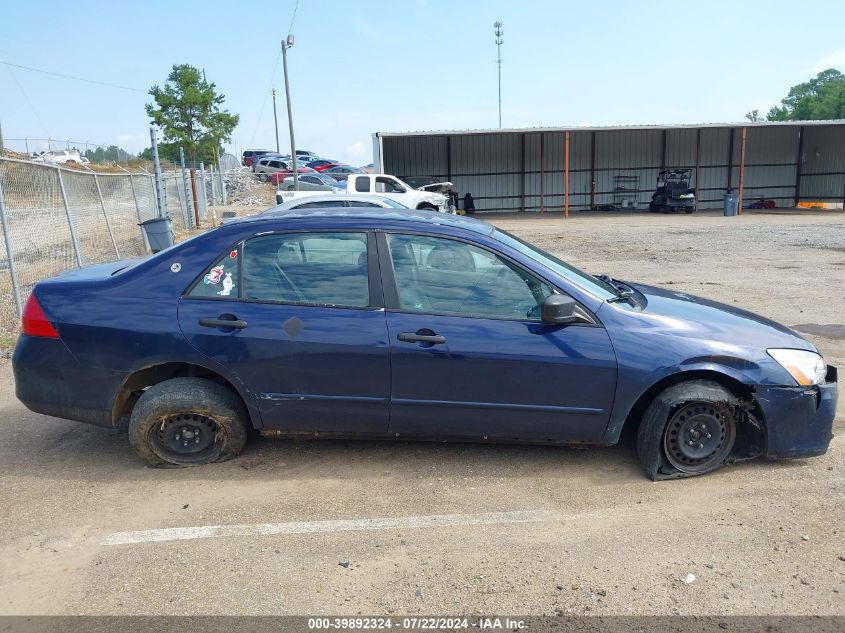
290,187
262,177
426,207
688,211
212,414
699,411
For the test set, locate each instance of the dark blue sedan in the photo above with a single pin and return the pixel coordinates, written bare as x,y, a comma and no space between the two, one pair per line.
366,323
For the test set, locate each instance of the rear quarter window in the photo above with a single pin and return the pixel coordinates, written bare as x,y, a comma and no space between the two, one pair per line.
220,280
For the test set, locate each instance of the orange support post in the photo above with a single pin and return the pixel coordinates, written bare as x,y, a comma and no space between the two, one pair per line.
566,175
542,174
741,169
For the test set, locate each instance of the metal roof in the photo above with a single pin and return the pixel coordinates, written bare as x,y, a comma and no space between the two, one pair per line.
609,128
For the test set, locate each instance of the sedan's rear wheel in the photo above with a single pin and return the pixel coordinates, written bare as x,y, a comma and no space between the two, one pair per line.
188,421
690,428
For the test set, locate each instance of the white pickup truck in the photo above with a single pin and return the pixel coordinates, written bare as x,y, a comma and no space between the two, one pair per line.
382,185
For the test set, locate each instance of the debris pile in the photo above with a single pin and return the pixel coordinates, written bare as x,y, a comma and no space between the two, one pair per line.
242,187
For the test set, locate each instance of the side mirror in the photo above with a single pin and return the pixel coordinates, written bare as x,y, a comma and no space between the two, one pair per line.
561,310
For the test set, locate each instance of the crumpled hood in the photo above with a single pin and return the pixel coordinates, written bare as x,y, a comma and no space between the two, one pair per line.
696,317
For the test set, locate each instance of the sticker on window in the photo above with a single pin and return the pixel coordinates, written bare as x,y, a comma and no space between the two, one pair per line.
228,284
214,275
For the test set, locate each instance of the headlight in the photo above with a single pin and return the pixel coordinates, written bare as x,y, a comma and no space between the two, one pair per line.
808,368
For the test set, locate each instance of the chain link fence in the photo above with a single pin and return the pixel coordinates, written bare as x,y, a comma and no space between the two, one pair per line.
54,219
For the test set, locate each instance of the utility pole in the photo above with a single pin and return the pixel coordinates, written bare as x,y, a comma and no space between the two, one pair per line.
497,30
1,137
276,120
286,44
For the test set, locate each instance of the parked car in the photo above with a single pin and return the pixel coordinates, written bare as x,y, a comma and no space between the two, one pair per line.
251,155
322,162
266,165
279,177
60,157
366,323
313,182
341,172
305,155
393,188
328,166
332,201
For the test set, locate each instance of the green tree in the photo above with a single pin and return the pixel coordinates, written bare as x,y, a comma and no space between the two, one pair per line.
112,153
754,116
166,151
187,109
822,97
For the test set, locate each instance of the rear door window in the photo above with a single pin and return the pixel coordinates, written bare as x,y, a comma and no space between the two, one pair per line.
328,269
362,184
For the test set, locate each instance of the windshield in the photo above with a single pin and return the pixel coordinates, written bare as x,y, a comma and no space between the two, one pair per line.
589,283
327,179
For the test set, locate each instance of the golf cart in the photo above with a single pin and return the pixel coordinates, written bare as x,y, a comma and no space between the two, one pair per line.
673,192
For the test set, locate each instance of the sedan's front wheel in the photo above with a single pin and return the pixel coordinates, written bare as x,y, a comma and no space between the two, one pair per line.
186,422
689,428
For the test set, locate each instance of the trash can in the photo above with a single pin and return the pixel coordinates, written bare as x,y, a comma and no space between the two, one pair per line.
159,232
731,202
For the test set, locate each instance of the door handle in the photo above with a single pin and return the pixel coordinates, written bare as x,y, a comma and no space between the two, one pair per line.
237,324
413,337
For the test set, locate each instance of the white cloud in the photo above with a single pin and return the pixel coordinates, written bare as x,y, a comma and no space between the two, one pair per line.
834,59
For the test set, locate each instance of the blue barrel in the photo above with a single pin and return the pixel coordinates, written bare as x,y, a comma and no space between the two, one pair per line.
731,202
159,232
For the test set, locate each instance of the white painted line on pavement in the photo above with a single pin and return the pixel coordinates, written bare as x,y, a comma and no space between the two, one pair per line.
343,525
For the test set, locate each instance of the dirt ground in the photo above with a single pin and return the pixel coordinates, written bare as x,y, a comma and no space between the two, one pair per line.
593,535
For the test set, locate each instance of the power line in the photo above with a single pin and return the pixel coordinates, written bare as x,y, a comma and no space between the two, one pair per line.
290,28
26,96
90,81
264,102
272,79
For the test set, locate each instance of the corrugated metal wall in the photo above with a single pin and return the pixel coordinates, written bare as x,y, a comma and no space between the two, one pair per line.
512,171
823,163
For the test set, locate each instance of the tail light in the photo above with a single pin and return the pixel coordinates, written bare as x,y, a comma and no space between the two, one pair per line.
34,322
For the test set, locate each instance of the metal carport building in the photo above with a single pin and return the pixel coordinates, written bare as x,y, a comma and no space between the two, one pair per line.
580,168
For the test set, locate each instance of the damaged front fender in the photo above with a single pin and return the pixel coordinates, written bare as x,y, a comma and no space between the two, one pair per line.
799,420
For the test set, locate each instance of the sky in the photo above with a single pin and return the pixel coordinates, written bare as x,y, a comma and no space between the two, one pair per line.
402,65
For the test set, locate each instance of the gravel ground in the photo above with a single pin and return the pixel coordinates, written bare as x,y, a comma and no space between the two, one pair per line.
760,537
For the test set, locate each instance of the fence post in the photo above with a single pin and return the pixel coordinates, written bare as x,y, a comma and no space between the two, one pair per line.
211,178
183,205
204,192
157,171
6,238
70,224
138,212
222,184
189,220
106,215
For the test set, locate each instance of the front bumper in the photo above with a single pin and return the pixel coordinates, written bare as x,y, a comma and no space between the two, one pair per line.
799,420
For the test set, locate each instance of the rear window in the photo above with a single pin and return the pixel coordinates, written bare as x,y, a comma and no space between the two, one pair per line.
362,184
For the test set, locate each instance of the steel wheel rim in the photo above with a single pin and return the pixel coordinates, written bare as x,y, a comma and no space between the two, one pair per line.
699,436
186,438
